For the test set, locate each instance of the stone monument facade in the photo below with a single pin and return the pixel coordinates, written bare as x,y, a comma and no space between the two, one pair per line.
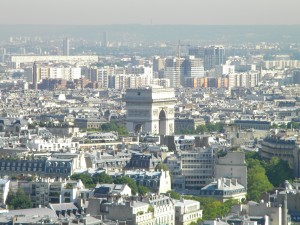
150,110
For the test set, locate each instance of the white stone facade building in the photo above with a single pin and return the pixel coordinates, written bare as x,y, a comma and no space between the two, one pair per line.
187,211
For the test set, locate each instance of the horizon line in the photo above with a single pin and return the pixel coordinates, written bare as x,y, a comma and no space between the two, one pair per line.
137,24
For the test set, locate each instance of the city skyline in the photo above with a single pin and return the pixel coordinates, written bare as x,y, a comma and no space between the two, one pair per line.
194,12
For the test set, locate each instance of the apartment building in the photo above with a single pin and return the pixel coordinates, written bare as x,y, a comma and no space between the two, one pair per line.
192,169
187,212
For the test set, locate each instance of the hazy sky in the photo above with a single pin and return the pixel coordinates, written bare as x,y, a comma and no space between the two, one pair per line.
198,12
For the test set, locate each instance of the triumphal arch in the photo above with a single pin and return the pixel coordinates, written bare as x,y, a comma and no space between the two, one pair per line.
150,109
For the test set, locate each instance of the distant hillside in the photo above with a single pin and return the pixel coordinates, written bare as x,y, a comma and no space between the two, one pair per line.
191,33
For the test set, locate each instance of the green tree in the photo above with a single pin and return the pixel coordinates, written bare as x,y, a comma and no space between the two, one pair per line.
282,126
18,200
85,178
69,186
212,208
292,125
102,178
162,166
278,171
251,155
130,182
193,223
32,125
143,190
201,129
258,182
113,126
209,127
213,127
150,208
174,195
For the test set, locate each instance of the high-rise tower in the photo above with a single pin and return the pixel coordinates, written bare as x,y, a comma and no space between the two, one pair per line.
104,40
174,70
66,47
36,75
213,56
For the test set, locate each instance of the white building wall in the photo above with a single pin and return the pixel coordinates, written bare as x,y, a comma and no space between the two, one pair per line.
165,182
4,184
232,165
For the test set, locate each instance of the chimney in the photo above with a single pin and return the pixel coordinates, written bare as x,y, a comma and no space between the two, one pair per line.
234,182
219,183
128,204
181,199
228,182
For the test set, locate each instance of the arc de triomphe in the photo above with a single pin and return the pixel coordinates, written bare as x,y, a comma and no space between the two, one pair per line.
150,110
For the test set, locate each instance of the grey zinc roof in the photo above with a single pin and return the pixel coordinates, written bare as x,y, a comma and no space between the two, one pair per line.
63,206
33,211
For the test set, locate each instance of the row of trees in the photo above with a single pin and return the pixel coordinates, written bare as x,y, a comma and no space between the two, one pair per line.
106,127
91,181
114,126
211,208
264,176
207,127
20,200
289,125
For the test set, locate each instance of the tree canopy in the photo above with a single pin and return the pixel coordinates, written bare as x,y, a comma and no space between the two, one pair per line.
18,200
207,127
130,182
212,208
113,126
143,190
162,166
174,195
292,125
91,181
85,178
278,170
258,181
102,178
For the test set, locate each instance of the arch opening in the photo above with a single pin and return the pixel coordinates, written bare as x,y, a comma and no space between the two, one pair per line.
138,128
162,123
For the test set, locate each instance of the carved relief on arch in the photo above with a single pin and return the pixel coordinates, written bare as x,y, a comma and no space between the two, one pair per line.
170,127
155,129
155,112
